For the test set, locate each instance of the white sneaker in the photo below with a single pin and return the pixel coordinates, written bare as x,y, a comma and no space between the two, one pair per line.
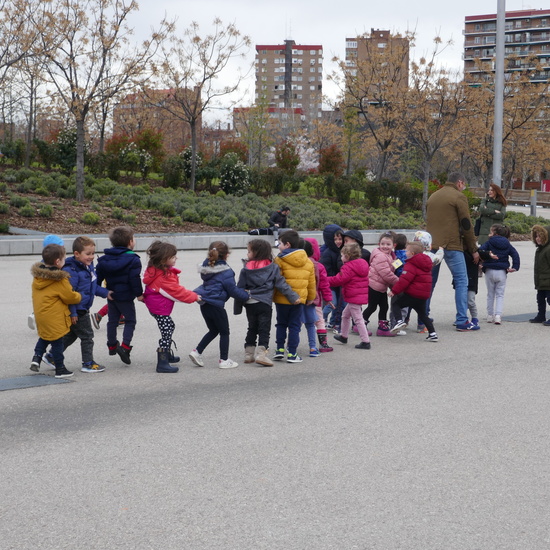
228,364
30,322
490,318
400,325
196,357
498,320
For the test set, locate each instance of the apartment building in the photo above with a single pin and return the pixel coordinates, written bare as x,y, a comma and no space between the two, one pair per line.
527,38
289,77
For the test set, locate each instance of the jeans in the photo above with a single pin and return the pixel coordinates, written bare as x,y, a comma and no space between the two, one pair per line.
56,350
116,309
495,279
289,317
309,318
457,265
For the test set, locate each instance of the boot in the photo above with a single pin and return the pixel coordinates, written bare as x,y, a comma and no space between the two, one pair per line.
162,361
249,354
173,358
384,329
323,344
262,358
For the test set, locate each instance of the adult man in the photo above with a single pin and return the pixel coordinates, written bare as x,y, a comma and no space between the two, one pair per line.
449,223
278,220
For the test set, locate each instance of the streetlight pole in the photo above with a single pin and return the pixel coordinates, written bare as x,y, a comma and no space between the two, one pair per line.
499,94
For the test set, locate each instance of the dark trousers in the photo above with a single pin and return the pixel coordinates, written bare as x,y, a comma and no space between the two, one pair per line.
83,330
543,296
376,299
56,350
402,300
259,324
116,309
289,317
217,322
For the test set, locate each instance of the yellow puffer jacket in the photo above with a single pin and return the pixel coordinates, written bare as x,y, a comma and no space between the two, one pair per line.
299,273
51,294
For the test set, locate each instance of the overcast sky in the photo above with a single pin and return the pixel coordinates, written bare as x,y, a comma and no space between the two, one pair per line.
328,23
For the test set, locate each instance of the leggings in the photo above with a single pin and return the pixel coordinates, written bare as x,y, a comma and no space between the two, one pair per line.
166,326
376,299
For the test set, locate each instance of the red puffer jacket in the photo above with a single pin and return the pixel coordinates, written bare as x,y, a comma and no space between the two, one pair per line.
354,280
416,278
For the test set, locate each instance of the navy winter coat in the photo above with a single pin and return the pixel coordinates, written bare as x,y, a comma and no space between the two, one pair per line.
120,267
503,249
84,280
219,284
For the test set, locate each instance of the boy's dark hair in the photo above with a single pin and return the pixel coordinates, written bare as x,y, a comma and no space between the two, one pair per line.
400,241
261,249
80,243
159,253
501,230
416,247
308,247
290,237
352,251
121,236
52,253
285,209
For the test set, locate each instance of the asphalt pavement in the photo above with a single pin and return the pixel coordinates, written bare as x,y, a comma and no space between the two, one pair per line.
409,445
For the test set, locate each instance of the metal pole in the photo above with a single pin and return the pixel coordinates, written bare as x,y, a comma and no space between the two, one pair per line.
499,94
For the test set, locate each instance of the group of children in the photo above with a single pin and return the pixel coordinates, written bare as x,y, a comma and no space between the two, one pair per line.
342,275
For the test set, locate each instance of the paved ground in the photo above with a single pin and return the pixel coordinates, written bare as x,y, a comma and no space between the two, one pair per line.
411,445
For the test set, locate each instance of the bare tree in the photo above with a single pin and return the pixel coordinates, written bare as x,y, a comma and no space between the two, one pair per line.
189,69
89,57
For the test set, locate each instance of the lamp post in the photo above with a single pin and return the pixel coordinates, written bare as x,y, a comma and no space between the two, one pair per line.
499,94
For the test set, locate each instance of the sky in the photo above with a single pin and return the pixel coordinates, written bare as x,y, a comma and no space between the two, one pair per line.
327,23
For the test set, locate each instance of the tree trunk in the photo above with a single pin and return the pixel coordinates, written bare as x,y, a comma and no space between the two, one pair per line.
193,124
30,124
425,189
80,135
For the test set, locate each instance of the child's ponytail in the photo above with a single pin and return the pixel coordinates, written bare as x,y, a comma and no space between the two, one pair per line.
217,250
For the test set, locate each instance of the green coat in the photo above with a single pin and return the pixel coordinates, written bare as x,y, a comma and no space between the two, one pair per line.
542,258
489,216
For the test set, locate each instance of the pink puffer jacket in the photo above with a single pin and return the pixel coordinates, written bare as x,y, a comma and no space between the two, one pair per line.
381,275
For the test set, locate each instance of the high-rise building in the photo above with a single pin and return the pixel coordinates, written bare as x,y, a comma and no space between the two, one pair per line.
527,41
289,77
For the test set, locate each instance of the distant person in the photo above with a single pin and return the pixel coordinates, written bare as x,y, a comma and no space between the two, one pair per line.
450,225
51,295
120,267
278,220
491,210
541,238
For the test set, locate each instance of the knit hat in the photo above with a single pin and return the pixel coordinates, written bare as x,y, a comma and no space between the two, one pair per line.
425,238
52,239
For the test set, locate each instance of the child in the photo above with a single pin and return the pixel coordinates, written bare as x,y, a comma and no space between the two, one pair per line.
354,236
354,280
323,292
299,273
162,290
496,271
330,259
261,276
400,259
217,287
381,277
80,268
51,294
540,237
96,317
413,289
120,267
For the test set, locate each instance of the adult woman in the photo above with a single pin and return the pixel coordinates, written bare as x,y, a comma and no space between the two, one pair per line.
491,210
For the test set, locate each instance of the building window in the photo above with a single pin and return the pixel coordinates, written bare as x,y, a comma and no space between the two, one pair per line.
351,44
319,69
312,70
312,88
518,24
382,45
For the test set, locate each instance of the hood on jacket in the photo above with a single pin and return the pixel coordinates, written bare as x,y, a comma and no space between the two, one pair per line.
207,271
328,236
543,231
316,250
296,257
45,275
421,261
152,273
355,235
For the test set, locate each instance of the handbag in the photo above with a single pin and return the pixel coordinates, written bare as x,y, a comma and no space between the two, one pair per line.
477,227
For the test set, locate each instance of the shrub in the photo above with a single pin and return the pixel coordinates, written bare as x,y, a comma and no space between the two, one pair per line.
4,208
172,172
3,187
129,218
4,227
167,209
234,176
46,211
18,202
90,218
117,214
27,211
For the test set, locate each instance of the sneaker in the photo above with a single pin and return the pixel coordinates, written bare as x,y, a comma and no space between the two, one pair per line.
92,367
279,354
48,359
293,358
314,352
363,345
96,319
336,329
402,333
227,364
124,354
432,337
30,322
63,373
498,320
341,338
35,363
467,327
475,321
420,329
196,357
546,323
276,243
490,318
538,319
398,326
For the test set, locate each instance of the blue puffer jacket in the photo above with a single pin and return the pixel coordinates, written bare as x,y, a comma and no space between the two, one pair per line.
120,267
503,249
84,280
219,284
